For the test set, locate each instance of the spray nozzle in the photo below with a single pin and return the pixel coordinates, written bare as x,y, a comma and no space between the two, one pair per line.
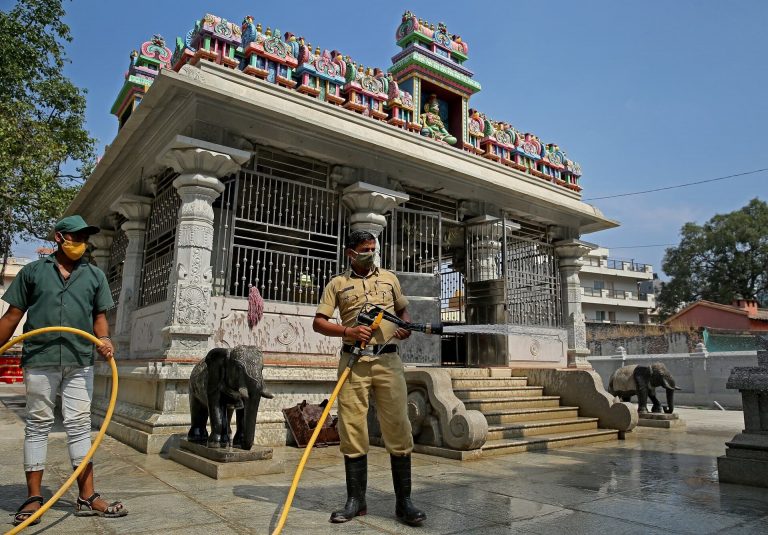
369,312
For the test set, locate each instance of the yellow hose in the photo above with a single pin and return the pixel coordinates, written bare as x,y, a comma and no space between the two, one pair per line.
97,440
308,450
316,432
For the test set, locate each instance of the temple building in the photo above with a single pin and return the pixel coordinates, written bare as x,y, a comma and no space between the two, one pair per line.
246,155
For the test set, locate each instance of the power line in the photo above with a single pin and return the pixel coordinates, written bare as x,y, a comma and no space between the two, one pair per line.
677,186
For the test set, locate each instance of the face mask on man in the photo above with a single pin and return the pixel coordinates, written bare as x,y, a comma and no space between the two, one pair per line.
73,250
364,260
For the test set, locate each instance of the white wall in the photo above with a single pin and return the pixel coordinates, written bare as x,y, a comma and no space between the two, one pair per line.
701,376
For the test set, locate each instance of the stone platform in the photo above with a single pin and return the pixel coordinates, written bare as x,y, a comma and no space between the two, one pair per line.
224,463
660,420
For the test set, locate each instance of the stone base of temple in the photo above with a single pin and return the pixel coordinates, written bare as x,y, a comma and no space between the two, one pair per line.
577,359
518,346
745,461
152,410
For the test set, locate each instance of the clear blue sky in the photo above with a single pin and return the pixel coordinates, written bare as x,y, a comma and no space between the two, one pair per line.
642,94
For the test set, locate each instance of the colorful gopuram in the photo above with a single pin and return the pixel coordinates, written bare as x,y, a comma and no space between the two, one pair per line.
145,65
426,89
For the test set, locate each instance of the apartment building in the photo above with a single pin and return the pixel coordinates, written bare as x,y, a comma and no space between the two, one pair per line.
616,290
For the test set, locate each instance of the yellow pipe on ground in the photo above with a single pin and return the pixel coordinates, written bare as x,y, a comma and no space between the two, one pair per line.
308,450
99,436
316,432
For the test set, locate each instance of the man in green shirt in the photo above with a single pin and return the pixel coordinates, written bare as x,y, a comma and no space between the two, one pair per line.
60,290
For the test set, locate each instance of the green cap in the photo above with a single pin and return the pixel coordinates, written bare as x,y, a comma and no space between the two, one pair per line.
75,223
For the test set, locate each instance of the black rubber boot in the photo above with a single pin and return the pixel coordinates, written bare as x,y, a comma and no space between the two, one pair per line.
357,480
401,478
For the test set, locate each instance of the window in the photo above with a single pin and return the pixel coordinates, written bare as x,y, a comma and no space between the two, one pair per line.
599,285
600,315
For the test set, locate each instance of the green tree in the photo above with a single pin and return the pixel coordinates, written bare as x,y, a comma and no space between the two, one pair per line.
45,150
724,258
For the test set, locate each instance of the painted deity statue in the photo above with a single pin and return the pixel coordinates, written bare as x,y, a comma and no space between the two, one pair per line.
431,123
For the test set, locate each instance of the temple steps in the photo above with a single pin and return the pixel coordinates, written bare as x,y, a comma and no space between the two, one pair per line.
489,382
548,442
547,427
492,392
520,417
539,414
490,404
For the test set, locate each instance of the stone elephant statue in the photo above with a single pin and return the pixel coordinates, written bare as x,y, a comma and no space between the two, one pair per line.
226,381
642,381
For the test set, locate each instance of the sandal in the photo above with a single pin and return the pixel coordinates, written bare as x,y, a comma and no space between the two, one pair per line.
21,515
85,508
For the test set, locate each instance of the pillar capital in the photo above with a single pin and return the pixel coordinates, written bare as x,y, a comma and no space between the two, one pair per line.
199,161
570,252
369,203
133,207
102,242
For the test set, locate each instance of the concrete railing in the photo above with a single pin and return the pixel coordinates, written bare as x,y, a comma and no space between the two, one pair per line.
700,375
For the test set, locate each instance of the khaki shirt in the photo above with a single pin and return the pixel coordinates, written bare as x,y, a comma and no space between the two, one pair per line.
349,292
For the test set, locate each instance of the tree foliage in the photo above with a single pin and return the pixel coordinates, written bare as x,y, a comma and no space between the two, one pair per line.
45,150
725,258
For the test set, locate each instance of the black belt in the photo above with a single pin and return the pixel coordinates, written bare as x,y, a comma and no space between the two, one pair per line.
376,349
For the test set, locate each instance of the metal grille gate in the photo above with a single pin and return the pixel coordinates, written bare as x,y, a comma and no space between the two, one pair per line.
411,242
160,240
516,273
277,229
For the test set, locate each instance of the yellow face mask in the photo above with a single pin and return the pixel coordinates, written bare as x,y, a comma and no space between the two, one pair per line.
74,250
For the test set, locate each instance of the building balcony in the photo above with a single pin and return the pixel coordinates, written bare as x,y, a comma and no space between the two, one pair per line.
616,322
618,268
621,298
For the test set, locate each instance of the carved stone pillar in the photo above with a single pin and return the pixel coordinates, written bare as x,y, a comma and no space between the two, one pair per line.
136,209
368,204
102,242
200,165
570,253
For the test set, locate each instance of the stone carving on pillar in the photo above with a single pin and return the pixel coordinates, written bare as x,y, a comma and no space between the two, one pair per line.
570,253
368,204
101,244
136,209
200,164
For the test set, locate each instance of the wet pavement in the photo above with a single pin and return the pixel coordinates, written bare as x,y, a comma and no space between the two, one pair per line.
655,482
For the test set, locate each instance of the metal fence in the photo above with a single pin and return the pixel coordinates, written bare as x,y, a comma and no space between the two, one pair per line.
411,241
160,240
277,229
524,258
533,283
452,296
114,269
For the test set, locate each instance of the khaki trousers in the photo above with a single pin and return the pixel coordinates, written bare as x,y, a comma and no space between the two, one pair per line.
384,376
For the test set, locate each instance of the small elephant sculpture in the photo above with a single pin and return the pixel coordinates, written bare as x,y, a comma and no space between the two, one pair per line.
642,381
226,381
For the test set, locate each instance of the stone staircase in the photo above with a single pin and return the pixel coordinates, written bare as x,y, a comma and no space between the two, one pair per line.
520,417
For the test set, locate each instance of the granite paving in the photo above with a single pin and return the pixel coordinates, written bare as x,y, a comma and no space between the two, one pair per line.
656,481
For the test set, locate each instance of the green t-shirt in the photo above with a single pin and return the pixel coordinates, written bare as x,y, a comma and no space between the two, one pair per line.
49,300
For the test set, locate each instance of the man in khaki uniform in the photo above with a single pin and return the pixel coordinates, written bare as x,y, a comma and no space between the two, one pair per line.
379,369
